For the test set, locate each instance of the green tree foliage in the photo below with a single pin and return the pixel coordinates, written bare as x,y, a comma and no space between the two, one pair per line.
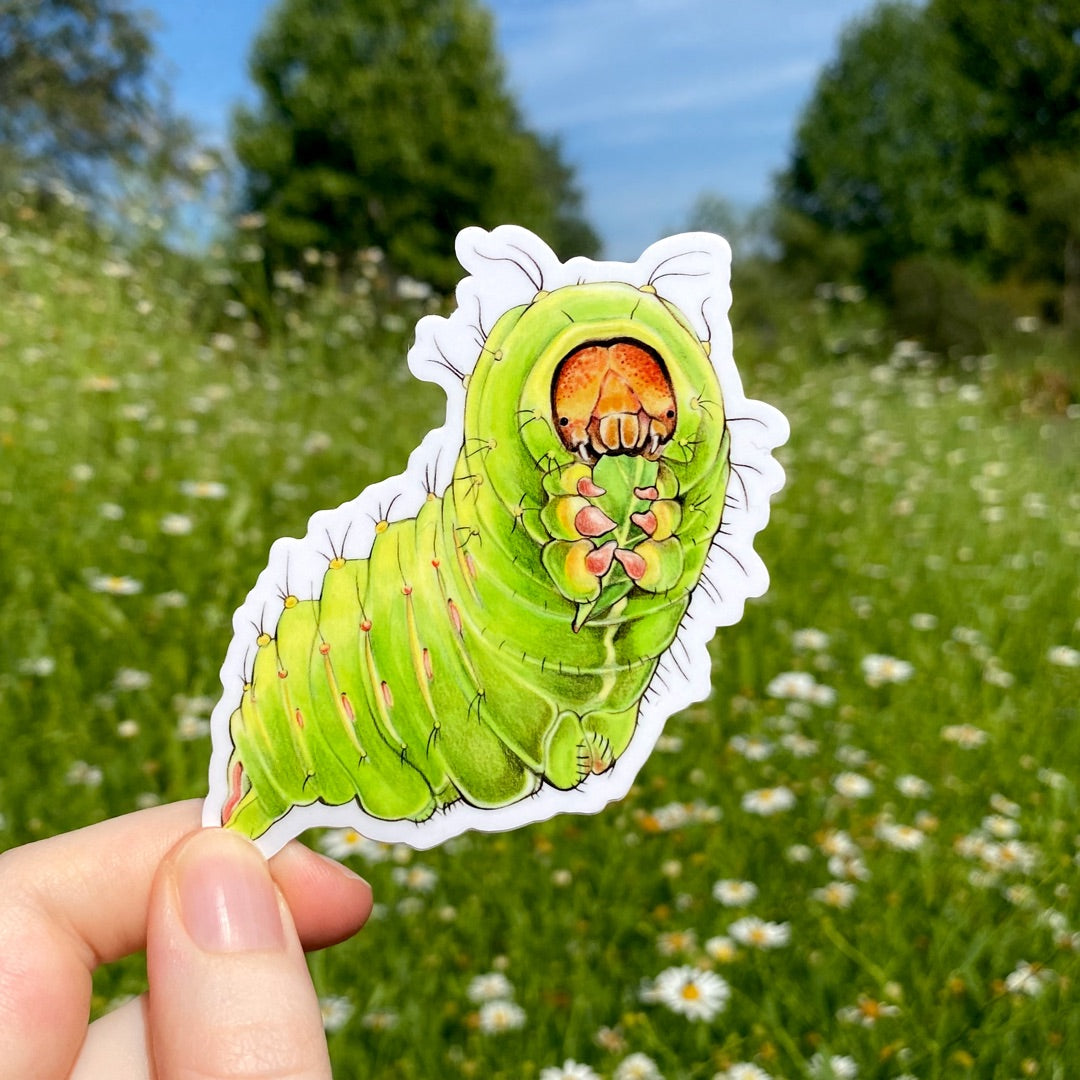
1050,187
925,135
749,232
76,91
388,123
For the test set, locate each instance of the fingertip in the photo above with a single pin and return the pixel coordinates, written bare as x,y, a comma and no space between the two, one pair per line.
229,986
226,896
328,901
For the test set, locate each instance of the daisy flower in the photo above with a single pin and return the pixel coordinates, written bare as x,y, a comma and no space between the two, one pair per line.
336,1011
637,1067
768,801
836,894
494,986
1029,979
878,669
690,992
742,1070
341,843
721,949
498,1016
760,934
734,893
853,785
569,1070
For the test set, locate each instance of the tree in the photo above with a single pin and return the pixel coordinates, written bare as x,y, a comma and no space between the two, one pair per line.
879,151
1050,185
914,140
77,92
748,232
387,123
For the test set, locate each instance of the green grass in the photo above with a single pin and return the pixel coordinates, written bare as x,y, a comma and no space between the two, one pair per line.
931,515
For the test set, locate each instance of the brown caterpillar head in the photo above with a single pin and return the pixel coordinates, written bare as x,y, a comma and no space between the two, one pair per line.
613,397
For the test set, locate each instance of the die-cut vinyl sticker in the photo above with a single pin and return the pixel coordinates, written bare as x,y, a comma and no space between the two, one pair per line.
499,633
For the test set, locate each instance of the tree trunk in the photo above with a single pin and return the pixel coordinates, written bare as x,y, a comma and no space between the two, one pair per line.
1070,297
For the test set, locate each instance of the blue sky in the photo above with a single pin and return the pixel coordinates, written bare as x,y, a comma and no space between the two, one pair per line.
656,101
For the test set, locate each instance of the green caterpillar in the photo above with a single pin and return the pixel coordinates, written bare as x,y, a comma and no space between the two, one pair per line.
500,641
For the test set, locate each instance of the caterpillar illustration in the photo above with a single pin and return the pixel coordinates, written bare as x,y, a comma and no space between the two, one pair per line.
499,633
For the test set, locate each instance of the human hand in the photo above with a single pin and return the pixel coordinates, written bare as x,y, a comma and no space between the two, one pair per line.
224,933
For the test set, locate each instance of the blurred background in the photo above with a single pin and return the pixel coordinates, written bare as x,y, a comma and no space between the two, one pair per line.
219,224
927,153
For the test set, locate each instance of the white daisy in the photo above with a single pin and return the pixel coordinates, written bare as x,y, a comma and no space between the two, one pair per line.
768,801
721,949
879,669
417,877
759,934
899,837
742,1070
637,1067
569,1070
1063,656
336,1011
837,894
341,843
1029,979
853,785
914,787
498,1016
695,994
493,986
833,1067
733,893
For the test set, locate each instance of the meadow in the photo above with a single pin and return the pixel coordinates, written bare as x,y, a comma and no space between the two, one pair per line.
858,858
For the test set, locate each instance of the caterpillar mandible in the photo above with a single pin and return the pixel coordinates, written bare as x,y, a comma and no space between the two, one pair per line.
499,633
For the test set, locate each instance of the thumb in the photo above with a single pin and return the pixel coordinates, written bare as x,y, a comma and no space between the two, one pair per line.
230,994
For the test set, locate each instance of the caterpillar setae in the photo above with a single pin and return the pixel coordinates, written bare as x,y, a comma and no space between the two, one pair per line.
510,635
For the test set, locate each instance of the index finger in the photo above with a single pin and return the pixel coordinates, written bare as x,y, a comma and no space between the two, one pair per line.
72,902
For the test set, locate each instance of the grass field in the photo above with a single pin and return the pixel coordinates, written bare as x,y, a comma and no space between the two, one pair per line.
858,858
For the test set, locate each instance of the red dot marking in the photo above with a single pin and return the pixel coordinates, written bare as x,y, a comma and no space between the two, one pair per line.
324,648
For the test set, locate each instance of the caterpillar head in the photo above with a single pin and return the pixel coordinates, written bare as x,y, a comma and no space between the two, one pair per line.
613,397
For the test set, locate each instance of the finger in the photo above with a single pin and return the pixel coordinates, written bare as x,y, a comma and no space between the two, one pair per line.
230,993
329,903
116,1045
74,901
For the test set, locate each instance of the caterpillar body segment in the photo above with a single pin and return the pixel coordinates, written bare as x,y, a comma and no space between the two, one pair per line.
499,642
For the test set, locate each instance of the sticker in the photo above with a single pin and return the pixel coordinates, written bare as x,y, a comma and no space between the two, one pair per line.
498,634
